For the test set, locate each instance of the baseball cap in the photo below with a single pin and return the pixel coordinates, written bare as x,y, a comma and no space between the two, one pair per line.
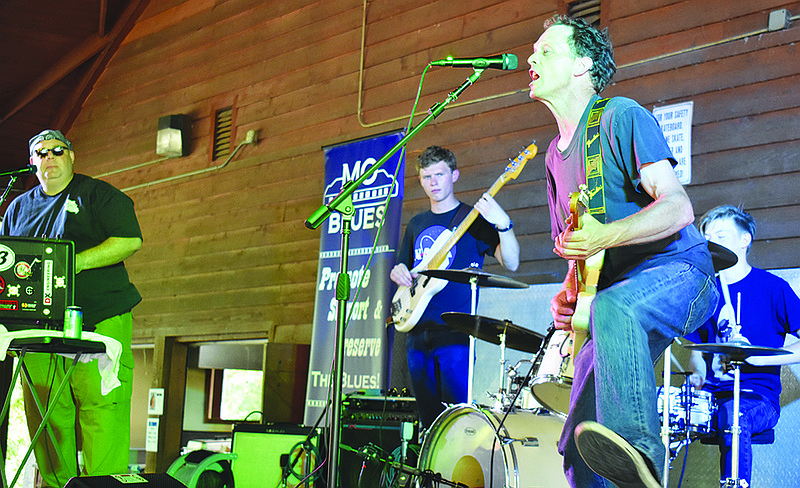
47,135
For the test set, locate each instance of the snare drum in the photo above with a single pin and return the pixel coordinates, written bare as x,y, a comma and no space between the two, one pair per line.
553,372
463,446
691,411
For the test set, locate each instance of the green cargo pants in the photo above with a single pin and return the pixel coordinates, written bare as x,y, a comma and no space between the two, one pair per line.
83,418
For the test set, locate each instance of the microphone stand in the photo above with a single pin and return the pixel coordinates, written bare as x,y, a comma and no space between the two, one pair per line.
343,203
8,188
370,452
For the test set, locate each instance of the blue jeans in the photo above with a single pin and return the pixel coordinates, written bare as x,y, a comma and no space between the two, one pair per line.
755,416
438,361
631,324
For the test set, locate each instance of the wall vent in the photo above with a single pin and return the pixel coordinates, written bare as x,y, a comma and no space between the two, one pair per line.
223,130
588,10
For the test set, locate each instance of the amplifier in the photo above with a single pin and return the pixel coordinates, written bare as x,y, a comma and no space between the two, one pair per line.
275,455
379,410
374,421
36,282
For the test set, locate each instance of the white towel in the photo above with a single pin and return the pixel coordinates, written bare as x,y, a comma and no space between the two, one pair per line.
108,362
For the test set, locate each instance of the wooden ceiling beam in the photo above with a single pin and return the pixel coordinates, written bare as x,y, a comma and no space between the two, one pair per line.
55,73
69,109
92,46
101,28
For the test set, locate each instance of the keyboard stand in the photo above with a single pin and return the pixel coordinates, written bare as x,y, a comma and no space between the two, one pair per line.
51,345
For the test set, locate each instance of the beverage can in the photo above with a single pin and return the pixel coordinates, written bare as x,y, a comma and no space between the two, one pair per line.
73,322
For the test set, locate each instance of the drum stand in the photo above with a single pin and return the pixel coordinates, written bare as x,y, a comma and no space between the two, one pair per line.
737,349
667,409
735,429
473,286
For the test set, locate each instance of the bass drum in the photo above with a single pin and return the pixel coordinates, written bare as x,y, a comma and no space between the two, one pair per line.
462,446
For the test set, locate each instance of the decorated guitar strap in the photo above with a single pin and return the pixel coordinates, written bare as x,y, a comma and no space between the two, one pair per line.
594,162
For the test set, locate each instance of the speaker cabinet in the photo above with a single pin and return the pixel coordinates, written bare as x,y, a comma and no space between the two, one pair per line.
152,480
264,452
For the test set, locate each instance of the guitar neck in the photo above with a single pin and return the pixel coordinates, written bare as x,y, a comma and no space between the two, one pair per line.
459,231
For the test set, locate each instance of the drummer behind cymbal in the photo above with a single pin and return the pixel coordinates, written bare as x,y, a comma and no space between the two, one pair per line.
766,309
438,357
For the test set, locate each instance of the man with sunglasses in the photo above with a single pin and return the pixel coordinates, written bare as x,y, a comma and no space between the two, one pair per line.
101,221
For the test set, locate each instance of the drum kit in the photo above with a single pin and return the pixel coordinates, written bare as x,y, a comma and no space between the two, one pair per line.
513,444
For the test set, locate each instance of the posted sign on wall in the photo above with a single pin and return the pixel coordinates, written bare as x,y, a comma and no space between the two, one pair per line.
676,124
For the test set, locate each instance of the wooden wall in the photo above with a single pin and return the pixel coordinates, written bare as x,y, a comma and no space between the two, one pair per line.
226,254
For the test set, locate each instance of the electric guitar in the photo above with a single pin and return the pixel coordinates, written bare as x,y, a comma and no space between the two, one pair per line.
409,302
587,275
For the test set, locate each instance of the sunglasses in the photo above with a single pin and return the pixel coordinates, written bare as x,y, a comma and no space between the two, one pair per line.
57,151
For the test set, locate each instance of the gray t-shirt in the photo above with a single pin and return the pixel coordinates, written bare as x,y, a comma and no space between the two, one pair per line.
630,138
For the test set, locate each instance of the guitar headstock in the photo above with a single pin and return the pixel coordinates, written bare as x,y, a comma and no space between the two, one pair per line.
578,199
514,168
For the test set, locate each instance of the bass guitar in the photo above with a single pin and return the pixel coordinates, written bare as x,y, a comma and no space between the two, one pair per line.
409,302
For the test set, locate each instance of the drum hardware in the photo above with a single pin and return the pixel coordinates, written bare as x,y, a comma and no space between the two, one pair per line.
553,373
721,258
690,414
525,441
501,332
475,277
506,399
737,351
485,447
482,278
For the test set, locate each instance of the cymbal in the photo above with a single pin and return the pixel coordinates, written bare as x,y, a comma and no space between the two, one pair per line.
465,275
737,350
489,330
721,256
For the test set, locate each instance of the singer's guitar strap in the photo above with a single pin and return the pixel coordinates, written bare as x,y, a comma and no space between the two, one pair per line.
594,162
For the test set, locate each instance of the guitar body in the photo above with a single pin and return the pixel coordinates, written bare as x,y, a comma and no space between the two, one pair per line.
587,276
409,302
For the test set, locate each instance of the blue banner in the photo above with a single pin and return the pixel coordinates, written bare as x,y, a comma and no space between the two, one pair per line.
365,348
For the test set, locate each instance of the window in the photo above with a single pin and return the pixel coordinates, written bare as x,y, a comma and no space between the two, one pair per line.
234,395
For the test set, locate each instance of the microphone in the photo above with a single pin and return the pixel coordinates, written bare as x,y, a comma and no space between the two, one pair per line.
21,171
502,61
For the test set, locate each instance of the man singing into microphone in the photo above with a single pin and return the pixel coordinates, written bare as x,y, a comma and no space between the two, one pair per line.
100,220
657,280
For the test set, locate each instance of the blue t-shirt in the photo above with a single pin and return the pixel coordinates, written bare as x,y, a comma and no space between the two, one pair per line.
630,138
481,239
768,310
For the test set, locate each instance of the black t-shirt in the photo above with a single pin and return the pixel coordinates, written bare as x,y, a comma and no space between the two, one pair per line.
86,212
479,240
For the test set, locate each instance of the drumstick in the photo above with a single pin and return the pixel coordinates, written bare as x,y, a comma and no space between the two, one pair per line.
738,308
